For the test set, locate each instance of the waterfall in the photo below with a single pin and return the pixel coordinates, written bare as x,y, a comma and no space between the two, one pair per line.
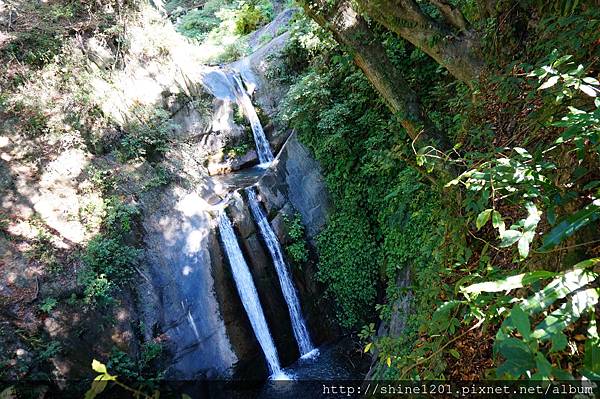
287,286
263,148
248,295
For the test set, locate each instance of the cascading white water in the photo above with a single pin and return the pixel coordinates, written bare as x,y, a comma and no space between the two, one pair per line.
248,295
263,149
287,286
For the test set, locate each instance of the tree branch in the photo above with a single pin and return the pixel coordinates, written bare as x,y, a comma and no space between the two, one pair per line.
457,52
351,30
451,14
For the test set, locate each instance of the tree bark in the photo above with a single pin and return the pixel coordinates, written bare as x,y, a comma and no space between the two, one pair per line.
352,31
455,49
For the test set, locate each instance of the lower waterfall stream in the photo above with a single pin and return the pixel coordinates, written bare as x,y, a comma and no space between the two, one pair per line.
249,295
287,286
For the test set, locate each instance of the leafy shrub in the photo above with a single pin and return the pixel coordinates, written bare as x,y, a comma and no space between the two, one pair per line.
150,352
42,249
161,177
296,250
232,51
348,265
147,136
252,14
122,364
112,258
139,369
48,304
120,217
382,216
36,48
198,23
526,354
50,350
222,26
102,179
97,289
109,259
537,321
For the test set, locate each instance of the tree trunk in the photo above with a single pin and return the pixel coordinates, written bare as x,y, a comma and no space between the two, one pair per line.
352,31
452,45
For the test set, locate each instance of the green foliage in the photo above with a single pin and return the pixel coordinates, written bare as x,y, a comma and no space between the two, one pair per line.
382,215
48,304
306,40
541,182
162,177
120,217
120,361
198,23
221,26
42,248
147,136
252,14
102,179
36,48
526,354
50,350
122,364
535,330
109,257
296,249
97,289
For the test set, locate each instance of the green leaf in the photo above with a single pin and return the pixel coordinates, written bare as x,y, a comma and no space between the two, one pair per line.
519,358
560,287
98,367
543,365
549,83
589,90
551,216
591,81
509,237
561,374
496,219
567,314
520,321
559,342
483,218
571,224
454,353
442,313
97,387
508,283
523,247
533,217
591,359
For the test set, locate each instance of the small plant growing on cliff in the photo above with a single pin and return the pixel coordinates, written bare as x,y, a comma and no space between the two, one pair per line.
161,177
48,304
296,250
110,259
147,135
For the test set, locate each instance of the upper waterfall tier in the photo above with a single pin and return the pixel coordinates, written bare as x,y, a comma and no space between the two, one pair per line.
263,149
